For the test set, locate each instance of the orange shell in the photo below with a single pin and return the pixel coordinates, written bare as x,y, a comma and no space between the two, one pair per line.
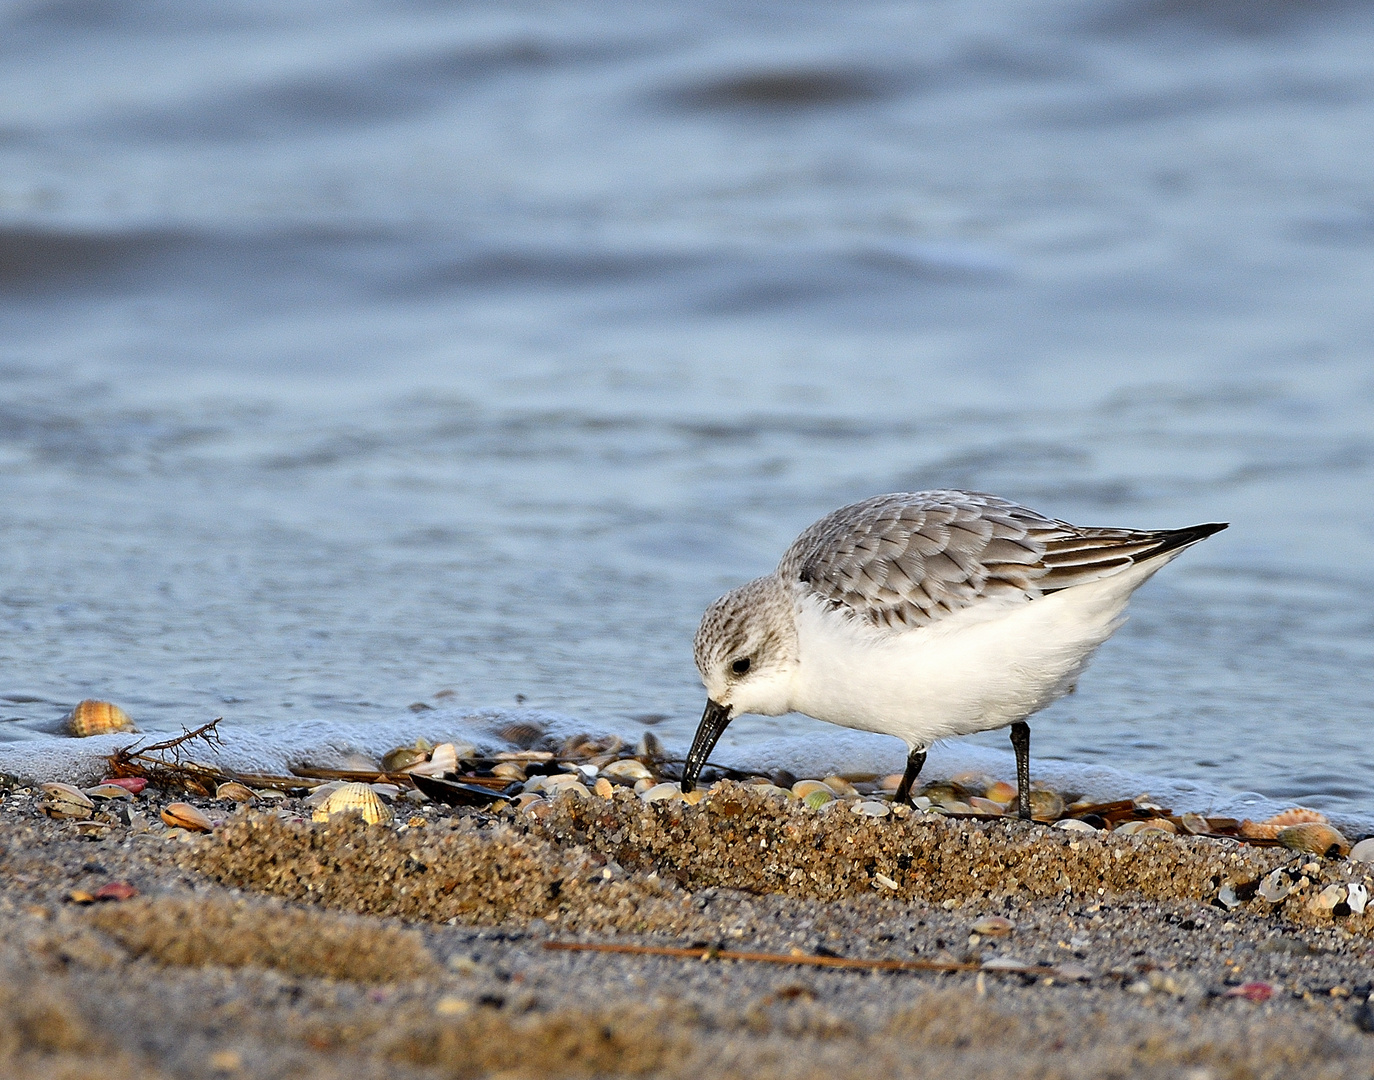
97,718
1269,828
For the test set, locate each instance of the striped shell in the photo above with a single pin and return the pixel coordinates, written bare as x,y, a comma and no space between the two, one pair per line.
1269,828
1314,836
97,718
357,799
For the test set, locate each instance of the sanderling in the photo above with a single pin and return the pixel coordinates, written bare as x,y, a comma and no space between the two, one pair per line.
923,615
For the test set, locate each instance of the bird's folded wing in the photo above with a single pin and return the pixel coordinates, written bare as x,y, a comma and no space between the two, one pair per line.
909,560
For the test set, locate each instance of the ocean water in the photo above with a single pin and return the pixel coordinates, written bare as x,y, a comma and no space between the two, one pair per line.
362,355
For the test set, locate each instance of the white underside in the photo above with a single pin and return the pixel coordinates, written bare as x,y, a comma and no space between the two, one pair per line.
982,668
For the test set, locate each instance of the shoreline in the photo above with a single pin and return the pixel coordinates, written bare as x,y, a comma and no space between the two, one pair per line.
277,947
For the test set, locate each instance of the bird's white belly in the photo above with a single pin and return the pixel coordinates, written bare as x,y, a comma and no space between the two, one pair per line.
979,669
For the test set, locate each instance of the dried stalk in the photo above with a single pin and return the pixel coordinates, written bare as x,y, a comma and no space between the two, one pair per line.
795,959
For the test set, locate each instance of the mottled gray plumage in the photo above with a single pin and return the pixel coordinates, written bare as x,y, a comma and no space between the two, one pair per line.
907,560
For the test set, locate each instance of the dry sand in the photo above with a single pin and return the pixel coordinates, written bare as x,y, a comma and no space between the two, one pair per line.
276,948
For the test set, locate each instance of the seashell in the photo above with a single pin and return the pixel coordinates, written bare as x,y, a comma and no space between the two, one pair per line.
1195,824
819,798
234,791
627,769
802,788
577,787
182,815
109,791
1149,825
522,733
691,798
403,757
134,784
269,794
1227,897
973,780
840,786
442,761
356,799
523,801
1269,828
1275,886
508,770
1324,902
993,926
941,793
97,718
66,803
870,808
1001,792
1357,897
661,792
641,786
890,783
1314,836
1073,824
604,788
1046,805
955,807
1363,851
322,792
985,806
558,780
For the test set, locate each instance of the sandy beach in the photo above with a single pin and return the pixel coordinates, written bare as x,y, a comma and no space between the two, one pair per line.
279,947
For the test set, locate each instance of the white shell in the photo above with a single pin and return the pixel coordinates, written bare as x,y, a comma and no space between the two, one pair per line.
1070,824
443,760
1357,898
353,798
64,801
627,769
659,792
1275,886
868,808
1363,851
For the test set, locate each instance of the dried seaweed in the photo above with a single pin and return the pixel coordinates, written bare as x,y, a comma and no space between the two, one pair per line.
165,764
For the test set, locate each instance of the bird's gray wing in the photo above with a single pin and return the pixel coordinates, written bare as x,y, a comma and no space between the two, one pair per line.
910,559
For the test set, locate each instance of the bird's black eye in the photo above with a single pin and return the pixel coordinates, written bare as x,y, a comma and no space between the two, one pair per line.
740,666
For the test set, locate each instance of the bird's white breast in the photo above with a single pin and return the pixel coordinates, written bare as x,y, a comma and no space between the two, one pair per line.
980,668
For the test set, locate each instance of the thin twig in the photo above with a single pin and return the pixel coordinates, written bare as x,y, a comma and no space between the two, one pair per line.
798,959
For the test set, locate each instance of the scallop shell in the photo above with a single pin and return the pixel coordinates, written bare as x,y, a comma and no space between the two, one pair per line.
93,717
628,769
182,815
1149,825
1314,836
355,799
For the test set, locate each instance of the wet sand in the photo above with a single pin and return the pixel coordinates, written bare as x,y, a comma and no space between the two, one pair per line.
282,948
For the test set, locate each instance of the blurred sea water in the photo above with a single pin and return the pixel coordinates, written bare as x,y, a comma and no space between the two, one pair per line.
356,352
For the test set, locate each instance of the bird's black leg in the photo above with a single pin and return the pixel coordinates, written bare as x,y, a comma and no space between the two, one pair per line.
1020,742
914,761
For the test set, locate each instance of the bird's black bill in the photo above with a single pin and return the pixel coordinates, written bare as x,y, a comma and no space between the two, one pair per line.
714,720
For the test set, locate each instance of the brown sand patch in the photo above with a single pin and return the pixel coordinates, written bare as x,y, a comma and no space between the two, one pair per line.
198,930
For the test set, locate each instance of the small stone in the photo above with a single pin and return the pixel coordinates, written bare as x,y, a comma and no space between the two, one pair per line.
1046,806
985,806
1001,792
115,890
450,1005
226,1061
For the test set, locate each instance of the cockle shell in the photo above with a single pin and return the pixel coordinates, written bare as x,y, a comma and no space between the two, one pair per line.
93,717
1269,828
1314,836
353,798
66,803
803,788
182,815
